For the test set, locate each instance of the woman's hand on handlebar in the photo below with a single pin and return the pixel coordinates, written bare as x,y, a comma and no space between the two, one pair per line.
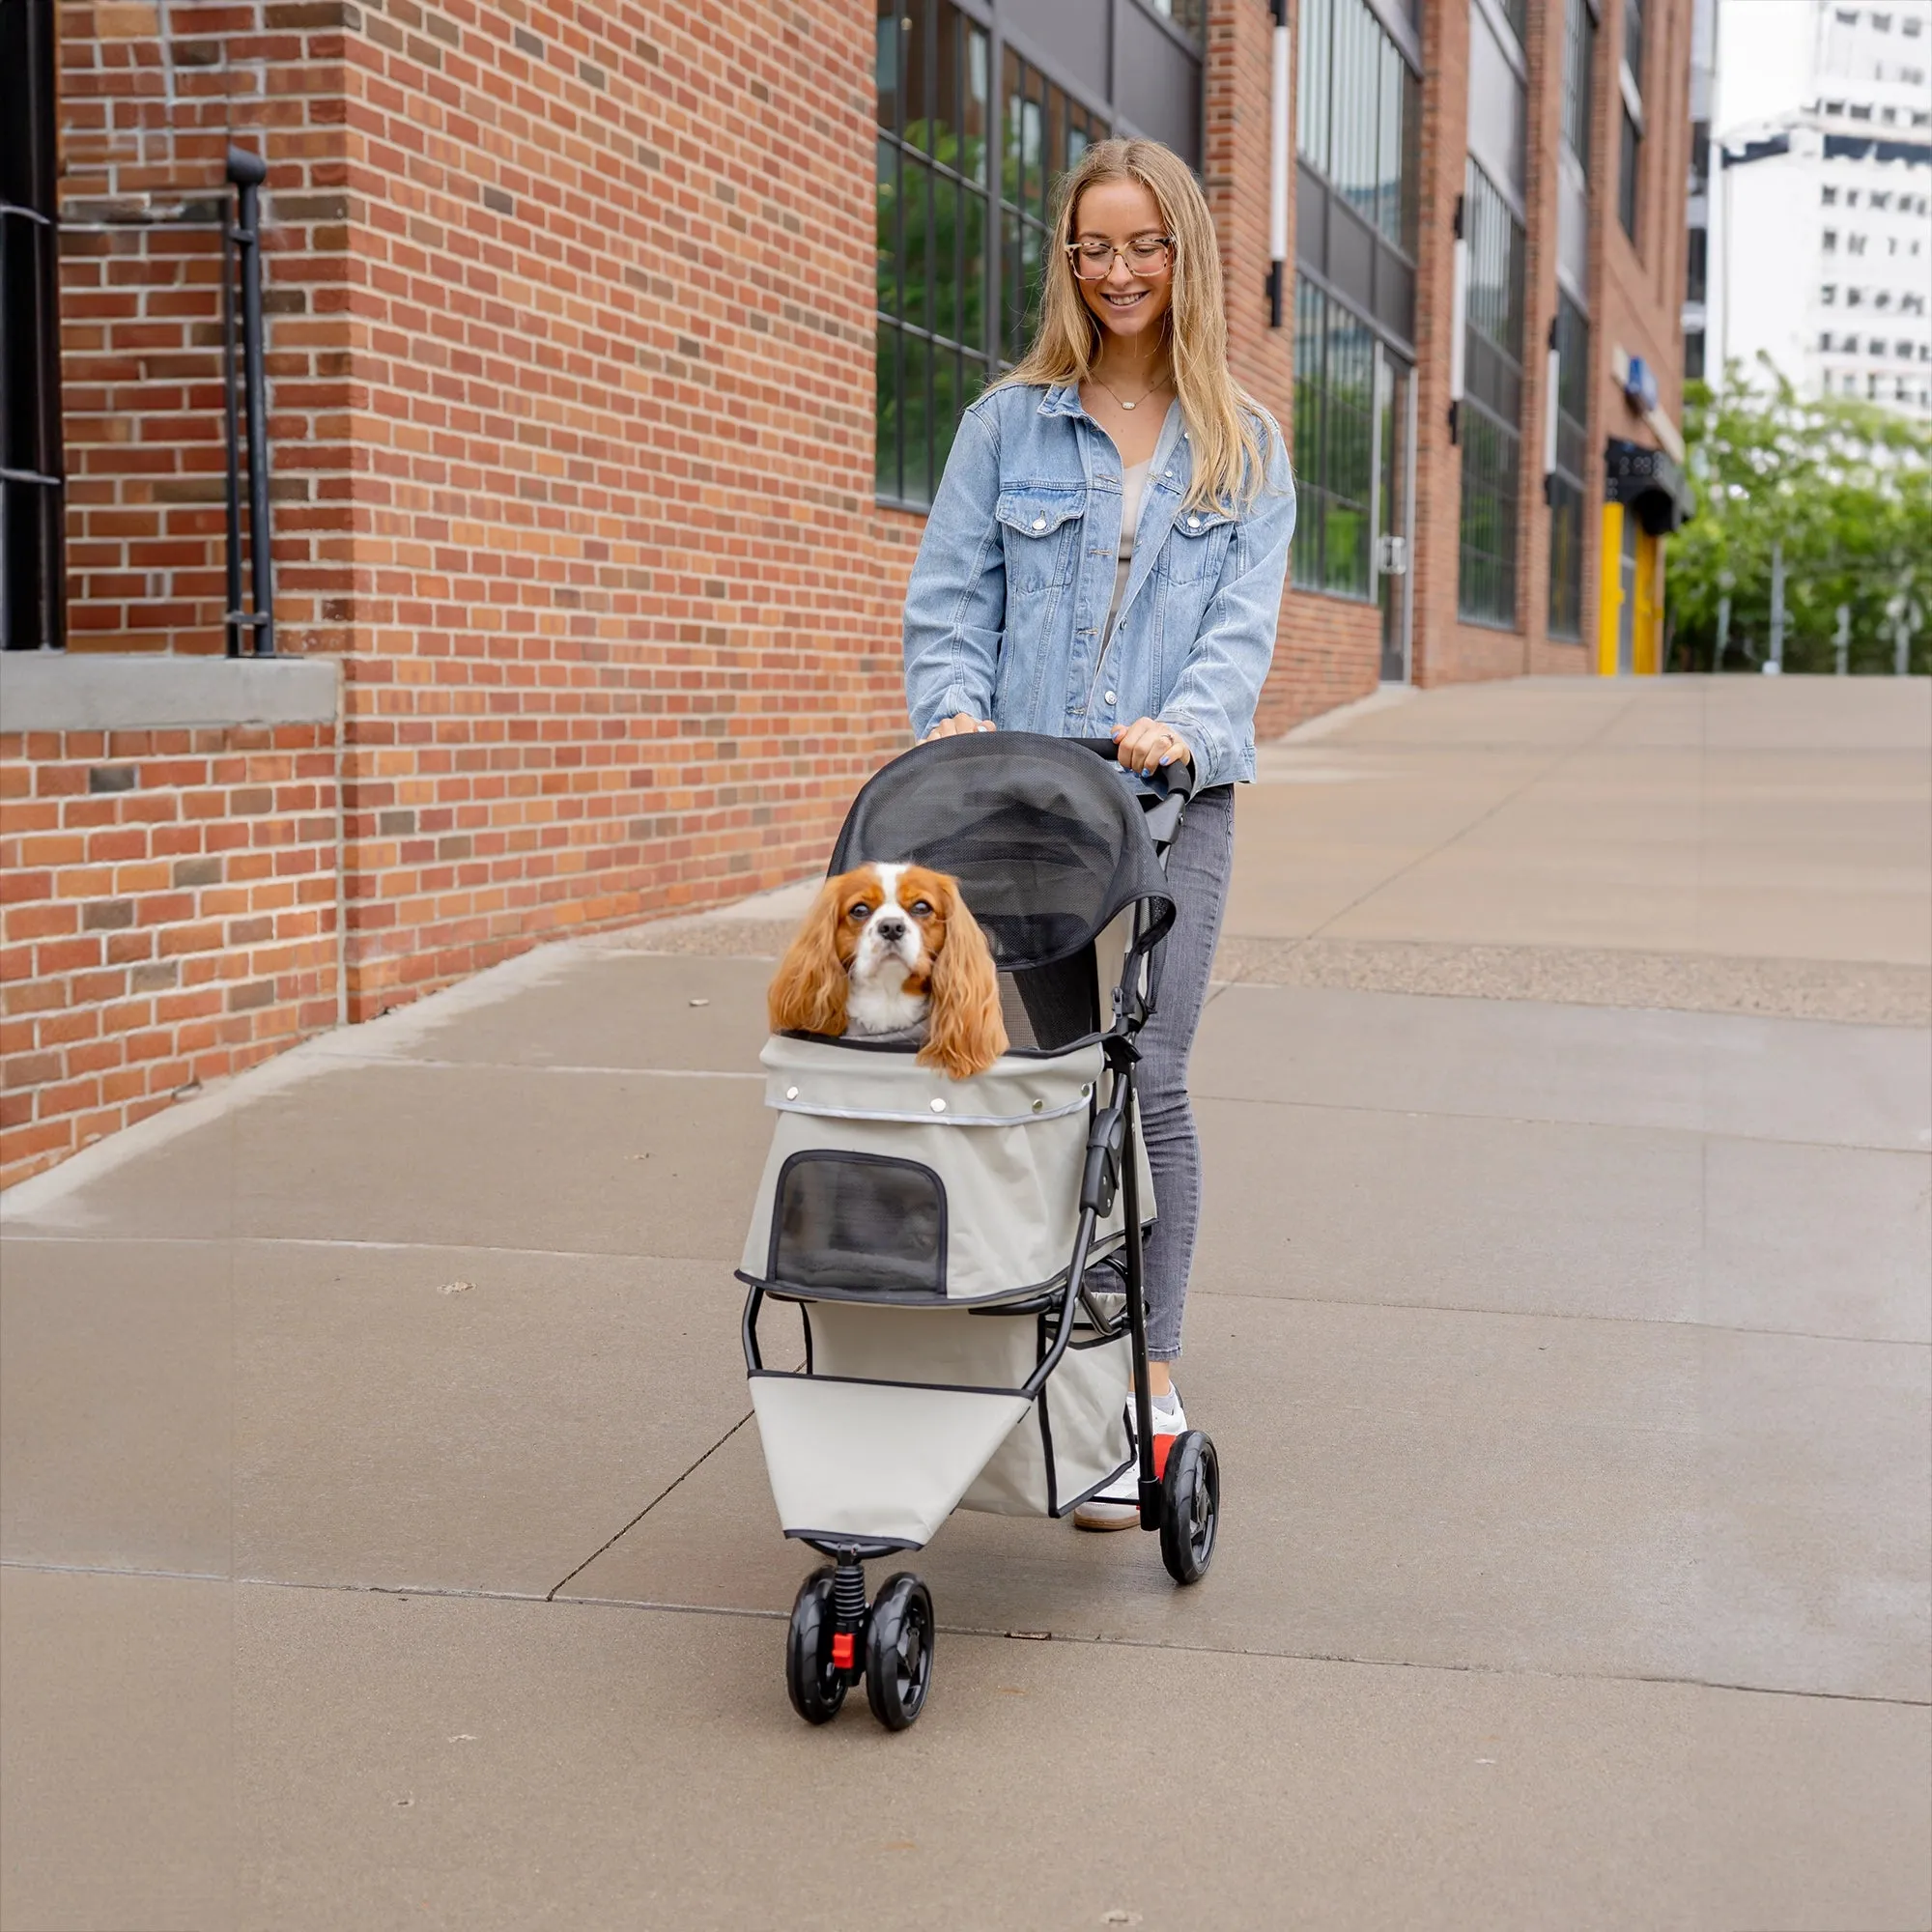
954,726
1146,742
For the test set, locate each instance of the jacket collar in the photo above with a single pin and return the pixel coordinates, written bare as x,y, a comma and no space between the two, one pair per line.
1062,400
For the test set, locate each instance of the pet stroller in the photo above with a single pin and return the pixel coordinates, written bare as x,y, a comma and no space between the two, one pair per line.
966,1254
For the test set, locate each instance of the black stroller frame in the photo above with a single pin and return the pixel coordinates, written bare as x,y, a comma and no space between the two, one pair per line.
837,1638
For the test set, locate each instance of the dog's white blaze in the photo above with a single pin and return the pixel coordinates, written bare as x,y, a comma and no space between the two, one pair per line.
878,1002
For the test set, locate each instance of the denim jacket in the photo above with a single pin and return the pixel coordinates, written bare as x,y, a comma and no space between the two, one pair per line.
1005,611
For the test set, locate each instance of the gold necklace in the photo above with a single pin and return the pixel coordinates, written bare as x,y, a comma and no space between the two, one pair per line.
1122,400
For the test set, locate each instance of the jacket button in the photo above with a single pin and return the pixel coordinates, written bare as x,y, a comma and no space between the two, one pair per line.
1194,523
1039,522
939,1106
791,1093
1110,698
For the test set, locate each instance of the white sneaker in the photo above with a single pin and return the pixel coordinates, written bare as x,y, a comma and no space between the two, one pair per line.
1118,1505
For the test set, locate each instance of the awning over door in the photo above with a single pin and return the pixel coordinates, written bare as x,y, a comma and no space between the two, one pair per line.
1651,483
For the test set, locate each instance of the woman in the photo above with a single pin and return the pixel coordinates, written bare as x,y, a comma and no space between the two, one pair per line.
1105,557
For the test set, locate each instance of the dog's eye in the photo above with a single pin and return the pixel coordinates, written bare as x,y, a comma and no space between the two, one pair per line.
860,910
922,909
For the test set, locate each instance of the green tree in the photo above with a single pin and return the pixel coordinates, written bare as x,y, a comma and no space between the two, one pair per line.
1845,488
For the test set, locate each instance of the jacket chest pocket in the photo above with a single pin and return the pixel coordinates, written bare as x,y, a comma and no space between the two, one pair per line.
1195,547
1041,532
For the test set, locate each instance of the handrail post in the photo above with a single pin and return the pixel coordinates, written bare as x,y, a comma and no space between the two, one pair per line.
246,172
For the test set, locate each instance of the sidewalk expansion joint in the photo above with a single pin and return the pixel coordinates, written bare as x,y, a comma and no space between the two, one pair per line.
1098,1642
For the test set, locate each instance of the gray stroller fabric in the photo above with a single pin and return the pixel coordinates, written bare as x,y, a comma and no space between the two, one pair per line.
912,1184
895,1203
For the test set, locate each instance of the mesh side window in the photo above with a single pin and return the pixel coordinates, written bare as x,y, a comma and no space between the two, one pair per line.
1050,1006
856,1220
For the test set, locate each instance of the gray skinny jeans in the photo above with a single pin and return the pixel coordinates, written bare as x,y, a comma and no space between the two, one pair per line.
1198,869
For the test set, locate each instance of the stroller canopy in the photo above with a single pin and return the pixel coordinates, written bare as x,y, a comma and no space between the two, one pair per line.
1047,839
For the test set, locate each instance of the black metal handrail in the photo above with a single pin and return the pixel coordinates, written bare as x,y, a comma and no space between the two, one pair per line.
242,248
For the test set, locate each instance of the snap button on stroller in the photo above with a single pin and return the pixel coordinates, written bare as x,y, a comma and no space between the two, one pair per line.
965,1255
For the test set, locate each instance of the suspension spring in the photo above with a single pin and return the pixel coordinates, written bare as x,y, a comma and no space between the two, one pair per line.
848,1593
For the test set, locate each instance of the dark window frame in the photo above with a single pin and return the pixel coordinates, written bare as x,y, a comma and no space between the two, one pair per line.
33,495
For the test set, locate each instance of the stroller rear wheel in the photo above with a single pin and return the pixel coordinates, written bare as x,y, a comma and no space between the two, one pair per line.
818,1686
1190,1506
898,1650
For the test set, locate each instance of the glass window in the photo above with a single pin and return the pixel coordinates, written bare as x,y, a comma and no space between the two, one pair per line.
1190,15
1490,411
1580,53
1047,131
932,237
1628,164
1565,482
968,160
1334,445
1695,276
1359,115
1634,42
1498,106
1486,562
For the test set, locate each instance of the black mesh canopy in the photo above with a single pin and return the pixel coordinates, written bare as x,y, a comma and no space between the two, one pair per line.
1046,838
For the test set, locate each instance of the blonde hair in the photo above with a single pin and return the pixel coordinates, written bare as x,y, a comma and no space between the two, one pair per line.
1222,423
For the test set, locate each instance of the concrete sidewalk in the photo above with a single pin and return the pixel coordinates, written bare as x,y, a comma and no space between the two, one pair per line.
388,1542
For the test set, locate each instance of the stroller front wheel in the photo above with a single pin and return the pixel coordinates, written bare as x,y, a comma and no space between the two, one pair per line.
1190,1506
898,1650
818,1686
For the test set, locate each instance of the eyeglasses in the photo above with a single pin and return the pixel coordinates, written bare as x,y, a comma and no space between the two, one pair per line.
1144,255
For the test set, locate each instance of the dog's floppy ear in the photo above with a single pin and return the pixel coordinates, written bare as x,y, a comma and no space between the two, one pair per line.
807,992
965,1033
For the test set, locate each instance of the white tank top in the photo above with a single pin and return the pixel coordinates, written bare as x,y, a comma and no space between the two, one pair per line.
1133,486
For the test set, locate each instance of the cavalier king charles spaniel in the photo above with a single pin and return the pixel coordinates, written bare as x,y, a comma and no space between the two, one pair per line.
891,949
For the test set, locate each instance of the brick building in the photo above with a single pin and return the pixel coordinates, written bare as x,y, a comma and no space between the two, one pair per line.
610,354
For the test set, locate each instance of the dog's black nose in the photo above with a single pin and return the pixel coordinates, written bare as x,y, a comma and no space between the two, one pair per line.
891,930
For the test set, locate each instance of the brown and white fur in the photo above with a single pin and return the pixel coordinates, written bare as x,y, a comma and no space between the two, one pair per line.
888,949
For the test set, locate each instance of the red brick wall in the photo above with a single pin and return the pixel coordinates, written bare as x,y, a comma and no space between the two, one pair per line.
1635,299
624,614
150,97
167,915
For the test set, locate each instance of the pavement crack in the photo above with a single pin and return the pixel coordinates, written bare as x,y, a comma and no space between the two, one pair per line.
551,1594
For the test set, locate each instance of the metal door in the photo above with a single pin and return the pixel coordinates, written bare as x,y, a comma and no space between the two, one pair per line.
1392,504
1627,610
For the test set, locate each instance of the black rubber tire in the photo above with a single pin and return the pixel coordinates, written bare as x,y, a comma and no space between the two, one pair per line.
816,1688
898,1650
1190,1512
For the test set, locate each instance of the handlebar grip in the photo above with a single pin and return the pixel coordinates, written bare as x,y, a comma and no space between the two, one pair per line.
1175,780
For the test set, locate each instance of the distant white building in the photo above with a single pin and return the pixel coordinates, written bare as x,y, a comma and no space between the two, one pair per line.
1824,234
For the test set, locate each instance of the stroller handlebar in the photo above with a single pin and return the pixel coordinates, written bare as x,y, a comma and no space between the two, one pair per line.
1166,781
